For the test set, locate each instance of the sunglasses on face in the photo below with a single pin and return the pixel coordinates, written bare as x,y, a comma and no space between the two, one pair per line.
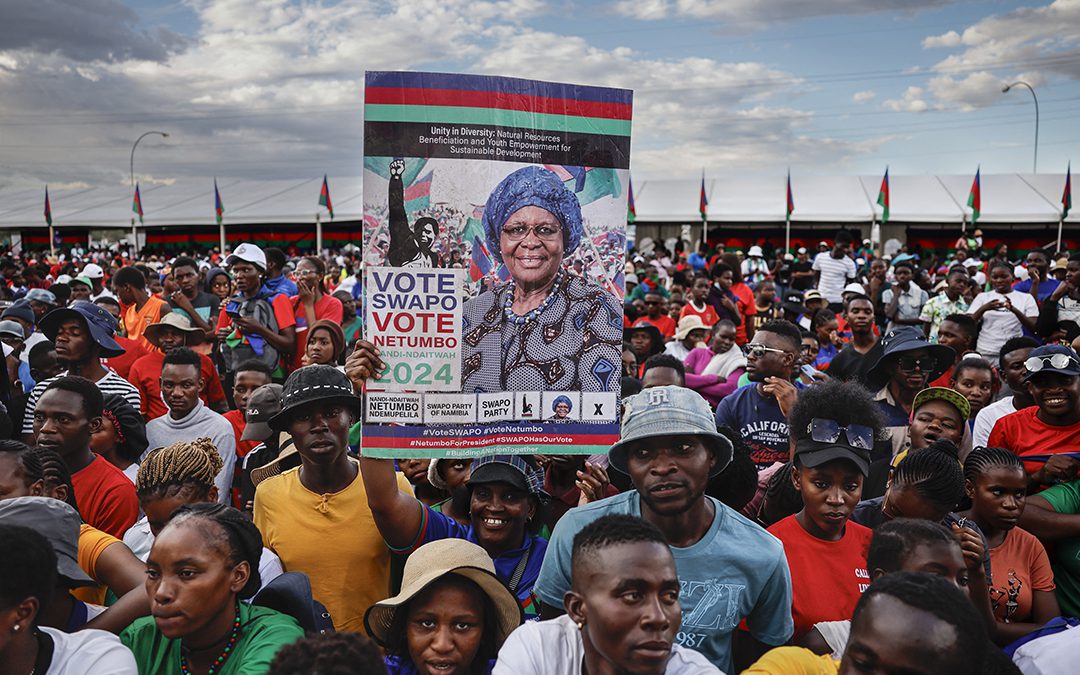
828,431
1060,361
758,351
908,364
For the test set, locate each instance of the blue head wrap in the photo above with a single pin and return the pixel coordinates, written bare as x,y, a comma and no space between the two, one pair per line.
562,399
532,186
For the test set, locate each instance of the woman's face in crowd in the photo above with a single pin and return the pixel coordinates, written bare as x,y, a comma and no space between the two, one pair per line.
726,280
808,350
629,361
998,496
1001,280
701,289
499,513
904,501
104,440
934,420
455,471
308,273
826,330
723,339
629,607
192,584
829,494
221,286
415,470
535,258
247,276
976,385
320,348
445,627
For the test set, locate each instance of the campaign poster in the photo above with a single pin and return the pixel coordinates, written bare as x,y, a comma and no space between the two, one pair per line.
513,193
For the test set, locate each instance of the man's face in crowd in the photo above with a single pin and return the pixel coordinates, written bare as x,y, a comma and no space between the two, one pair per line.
73,341
670,472
891,637
769,363
170,338
1039,261
1013,369
958,283
246,276
701,289
348,305
903,276
860,315
247,381
111,308
40,309
79,291
641,342
627,598
911,370
320,430
878,269
933,420
1056,395
654,305
660,377
952,335
187,280
61,422
45,366
180,386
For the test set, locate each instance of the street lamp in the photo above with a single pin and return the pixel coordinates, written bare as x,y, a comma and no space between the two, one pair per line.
131,168
1004,90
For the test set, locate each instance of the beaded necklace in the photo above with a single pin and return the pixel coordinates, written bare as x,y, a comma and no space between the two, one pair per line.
185,669
508,311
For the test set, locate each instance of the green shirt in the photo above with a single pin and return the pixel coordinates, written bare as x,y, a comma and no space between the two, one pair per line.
1065,559
262,633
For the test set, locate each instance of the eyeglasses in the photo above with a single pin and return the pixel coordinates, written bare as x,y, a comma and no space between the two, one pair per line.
828,431
908,364
1060,361
652,302
542,232
758,351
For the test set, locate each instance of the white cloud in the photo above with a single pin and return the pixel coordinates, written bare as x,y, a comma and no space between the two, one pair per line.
950,39
761,13
863,96
968,93
911,101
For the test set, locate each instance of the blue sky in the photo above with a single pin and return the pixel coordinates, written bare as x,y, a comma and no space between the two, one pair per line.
273,88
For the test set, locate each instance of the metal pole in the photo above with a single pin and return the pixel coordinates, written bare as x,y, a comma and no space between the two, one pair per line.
1020,83
318,235
787,235
131,169
52,241
221,235
1061,223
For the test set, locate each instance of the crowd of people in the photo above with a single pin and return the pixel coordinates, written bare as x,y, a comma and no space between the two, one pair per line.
829,461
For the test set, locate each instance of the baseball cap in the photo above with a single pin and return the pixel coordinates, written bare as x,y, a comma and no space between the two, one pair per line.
264,403
85,281
812,294
57,522
511,469
950,396
854,287
11,329
828,441
802,249
41,295
247,253
666,412
93,271
1052,359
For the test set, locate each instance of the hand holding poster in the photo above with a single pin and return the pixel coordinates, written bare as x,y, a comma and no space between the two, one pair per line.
523,184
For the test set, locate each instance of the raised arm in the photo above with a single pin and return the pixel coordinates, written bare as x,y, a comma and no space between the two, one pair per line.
398,515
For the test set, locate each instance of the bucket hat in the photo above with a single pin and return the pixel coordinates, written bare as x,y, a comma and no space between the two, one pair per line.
99,322
264,403
950,396
908,339
57,522
657,337
689,324
192,335
314,383
1041,360
666,412
433,561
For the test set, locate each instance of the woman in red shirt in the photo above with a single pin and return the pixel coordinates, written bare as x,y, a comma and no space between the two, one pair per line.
833,426
311,304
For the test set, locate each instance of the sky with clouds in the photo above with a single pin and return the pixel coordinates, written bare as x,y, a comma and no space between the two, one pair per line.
264,89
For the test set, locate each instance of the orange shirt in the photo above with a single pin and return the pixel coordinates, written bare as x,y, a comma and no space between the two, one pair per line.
136,320
1019,566
709,317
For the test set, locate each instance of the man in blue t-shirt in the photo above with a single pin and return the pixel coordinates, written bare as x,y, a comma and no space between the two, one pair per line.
730,569
758,411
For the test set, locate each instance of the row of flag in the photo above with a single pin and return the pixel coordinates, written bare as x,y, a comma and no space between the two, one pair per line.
219,206
974,198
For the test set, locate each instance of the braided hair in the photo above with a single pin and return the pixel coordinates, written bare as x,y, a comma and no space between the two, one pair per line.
189,467
55,472
242,541
981,459
934,472
29,464
896,540
781,498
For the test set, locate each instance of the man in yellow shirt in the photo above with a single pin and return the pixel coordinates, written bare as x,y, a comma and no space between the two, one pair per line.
315,517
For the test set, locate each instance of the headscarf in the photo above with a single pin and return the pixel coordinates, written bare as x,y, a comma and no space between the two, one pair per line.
561,399
337,336
532,186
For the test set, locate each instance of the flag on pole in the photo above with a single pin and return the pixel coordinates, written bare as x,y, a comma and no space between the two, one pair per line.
631,212
219,208
136,204
703,204
975,198
790,198
1066,198
324,197
883,197
48,208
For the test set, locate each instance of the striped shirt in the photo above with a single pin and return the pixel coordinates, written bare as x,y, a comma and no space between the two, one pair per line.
835,273
110,384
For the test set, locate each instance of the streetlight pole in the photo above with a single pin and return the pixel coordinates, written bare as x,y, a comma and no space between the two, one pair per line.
131,168
1020,83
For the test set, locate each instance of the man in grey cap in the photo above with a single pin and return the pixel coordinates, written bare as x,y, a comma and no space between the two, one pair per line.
729,568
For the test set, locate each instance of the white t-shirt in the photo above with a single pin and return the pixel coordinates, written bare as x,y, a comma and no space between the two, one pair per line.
835,273
1052,654
998,325
555,648
89,652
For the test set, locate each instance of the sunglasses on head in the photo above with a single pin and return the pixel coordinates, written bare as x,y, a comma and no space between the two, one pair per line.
759,351
1060,361
908,364
828,431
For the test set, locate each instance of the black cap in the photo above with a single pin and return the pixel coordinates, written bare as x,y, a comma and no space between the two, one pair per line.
813,453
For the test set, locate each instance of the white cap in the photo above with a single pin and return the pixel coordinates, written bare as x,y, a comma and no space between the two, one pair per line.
854,287
92,271
755,251
63,279
802,249
247,253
